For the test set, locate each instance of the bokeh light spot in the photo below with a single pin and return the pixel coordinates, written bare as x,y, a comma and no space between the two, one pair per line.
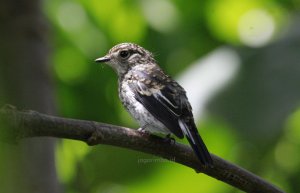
71,16
122,20
249,22
161,15
256,28
293,127
287,150
68,154
286,156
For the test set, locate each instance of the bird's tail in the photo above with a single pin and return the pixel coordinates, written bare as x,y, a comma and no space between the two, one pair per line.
196,143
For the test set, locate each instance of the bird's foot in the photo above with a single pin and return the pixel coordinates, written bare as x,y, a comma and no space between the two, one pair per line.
143,131
169,139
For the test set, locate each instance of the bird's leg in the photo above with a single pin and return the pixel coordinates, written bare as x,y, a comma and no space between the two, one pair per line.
169,139
143,130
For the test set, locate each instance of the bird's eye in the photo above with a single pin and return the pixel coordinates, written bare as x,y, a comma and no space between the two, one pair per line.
124,54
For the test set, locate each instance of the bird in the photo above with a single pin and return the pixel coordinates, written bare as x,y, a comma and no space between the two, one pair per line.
157,102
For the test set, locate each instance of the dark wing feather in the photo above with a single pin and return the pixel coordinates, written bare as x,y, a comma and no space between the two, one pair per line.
196,142
159,100
169,105
160,104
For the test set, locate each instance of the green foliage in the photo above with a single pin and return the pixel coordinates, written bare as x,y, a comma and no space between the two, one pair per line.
68,155
226,21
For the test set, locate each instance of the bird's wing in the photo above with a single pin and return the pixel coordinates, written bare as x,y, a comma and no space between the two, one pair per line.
161,100
167,102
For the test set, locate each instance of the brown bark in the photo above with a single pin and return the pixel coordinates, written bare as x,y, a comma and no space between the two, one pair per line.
27,124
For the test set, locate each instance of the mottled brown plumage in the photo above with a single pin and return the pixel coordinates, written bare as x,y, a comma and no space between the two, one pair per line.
153,98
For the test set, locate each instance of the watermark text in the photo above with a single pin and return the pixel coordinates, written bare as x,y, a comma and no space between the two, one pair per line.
154,160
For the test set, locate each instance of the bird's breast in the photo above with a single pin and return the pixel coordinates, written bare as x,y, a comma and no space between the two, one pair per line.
138,111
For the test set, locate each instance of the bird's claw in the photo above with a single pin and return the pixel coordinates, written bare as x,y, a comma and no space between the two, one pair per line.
169,139
143,131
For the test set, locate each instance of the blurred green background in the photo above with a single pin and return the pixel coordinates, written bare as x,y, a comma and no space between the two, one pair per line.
238,59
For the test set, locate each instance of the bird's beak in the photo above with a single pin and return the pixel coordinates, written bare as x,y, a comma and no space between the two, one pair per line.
103,59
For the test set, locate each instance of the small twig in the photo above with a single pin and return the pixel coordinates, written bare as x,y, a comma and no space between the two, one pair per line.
16,125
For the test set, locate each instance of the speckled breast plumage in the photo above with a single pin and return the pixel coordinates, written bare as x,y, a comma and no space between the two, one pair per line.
145,119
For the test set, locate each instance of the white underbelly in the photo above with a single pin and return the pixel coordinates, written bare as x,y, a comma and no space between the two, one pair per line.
145,119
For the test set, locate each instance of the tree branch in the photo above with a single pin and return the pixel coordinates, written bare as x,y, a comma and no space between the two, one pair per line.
17,125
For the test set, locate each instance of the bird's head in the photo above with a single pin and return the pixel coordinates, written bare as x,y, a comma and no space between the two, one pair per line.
124,56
